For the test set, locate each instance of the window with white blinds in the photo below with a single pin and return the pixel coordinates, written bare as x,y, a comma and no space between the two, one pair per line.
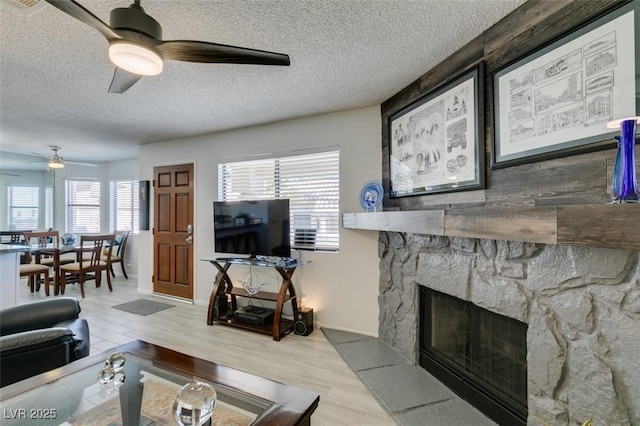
82,212
124,212
311,182
24,203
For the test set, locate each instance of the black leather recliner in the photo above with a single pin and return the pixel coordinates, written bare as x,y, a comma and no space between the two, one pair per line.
39,337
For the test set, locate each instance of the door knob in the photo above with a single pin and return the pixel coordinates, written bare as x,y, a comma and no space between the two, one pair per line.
189,239
190,228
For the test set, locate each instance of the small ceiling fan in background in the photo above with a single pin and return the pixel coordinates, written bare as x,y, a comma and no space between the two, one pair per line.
55,161
137,49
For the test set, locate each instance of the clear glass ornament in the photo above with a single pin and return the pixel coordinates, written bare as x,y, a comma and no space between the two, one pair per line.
252,285
115,362
194,403
105,376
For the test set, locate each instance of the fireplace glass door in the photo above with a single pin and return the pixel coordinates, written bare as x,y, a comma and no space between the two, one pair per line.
478,349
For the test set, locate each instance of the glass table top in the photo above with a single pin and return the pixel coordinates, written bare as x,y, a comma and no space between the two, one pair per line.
148,390
268,261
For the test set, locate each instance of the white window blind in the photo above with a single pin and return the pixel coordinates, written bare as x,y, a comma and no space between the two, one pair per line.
311,182
124,211
23,202
82,213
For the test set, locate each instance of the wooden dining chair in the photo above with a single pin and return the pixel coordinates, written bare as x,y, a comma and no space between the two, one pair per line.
45,240
119,255
27,268
33,272
92,264
12,237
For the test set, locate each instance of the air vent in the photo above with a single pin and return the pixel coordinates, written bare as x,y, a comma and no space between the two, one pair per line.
26,7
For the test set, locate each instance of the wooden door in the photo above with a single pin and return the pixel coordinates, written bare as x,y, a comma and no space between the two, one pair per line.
173,231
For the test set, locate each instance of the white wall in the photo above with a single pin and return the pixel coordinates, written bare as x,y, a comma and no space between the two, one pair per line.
342,288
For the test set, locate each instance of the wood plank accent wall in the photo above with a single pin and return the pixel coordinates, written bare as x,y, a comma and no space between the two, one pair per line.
563,200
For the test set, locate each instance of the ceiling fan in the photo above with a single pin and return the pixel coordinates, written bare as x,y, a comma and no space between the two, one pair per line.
57,162
136,47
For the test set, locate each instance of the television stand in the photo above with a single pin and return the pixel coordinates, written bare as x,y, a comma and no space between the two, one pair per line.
223,289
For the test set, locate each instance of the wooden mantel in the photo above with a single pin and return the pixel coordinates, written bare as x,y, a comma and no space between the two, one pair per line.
599,225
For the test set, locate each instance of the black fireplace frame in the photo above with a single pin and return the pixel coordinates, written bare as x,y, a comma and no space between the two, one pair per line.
502,410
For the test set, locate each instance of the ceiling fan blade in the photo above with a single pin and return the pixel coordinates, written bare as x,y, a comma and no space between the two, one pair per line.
200,51
74,9
80,164
122,80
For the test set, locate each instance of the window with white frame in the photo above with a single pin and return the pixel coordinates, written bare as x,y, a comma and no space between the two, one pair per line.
82,212
311,182
124,212
23,203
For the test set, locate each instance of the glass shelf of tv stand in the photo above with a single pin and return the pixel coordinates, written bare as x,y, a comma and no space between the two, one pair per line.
253,261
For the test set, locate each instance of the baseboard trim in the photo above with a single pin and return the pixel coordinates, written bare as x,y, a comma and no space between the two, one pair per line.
173,298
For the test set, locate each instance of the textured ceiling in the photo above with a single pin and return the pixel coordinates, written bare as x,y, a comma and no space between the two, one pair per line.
345,54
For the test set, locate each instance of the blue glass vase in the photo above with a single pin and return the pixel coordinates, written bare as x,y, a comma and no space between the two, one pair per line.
625,183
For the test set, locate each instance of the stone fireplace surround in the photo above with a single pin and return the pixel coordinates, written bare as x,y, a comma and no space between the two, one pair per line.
581,304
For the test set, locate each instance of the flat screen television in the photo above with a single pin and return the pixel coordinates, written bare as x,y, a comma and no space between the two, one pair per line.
252,227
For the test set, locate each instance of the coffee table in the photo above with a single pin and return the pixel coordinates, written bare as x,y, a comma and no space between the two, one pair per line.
71,395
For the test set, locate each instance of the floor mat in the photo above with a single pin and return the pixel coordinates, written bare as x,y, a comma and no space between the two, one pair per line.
143,307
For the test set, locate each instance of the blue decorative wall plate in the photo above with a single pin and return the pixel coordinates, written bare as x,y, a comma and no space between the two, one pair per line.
371,195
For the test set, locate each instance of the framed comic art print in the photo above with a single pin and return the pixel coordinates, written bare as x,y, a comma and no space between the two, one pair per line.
437,143
557,100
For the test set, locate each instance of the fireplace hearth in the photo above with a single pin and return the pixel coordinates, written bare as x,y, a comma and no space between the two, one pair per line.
480,355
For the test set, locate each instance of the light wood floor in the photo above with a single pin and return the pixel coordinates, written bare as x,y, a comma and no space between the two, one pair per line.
307,362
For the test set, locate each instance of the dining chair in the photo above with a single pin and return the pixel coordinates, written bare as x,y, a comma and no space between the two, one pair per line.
43,240
92,262
119,255
33,272
12,237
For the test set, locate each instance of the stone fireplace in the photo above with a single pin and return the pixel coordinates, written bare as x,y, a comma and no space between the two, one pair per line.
581,307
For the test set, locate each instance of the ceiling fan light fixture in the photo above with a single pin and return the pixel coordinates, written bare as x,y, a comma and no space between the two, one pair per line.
55,163
135,58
